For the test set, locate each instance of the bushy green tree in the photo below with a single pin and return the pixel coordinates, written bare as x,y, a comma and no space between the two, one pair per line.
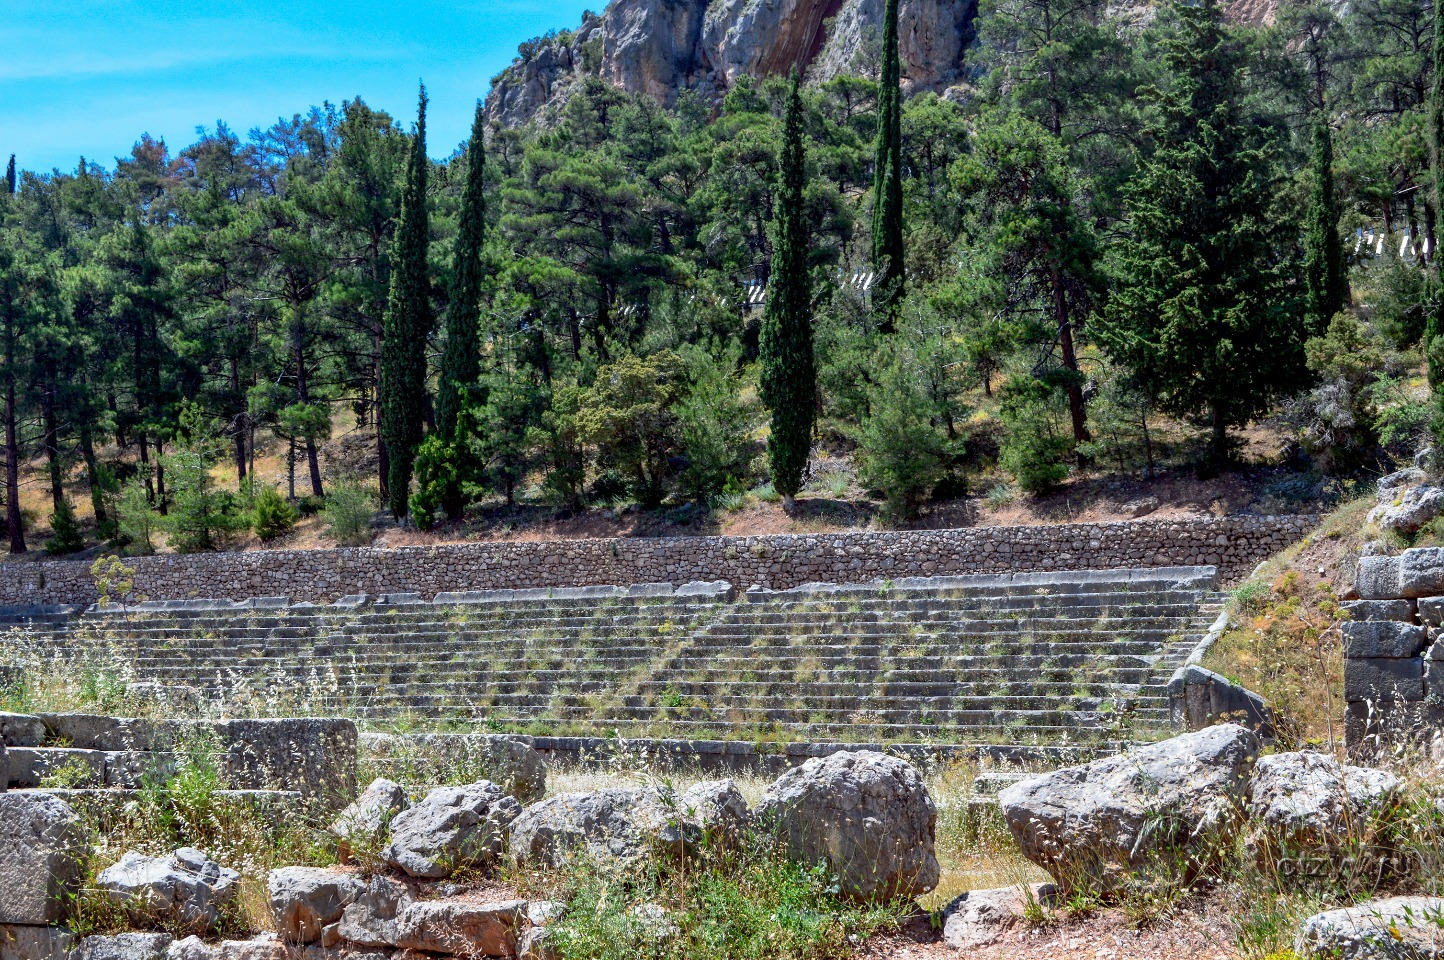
1034,446
201,516
65,533
716,420
789,371
1204,311
272,516
136,520
629,415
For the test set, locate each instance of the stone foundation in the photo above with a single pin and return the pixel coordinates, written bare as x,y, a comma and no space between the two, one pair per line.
1235,545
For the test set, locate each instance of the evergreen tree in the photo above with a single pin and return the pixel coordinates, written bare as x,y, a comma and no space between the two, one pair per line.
1326,284
789,374
10,180
407,327
887,209
1203,312
1434,325
461,359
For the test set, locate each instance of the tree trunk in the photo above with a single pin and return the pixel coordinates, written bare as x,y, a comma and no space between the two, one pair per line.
52,445
1076,407
315,464
240,427
13,519
92,472
1218,445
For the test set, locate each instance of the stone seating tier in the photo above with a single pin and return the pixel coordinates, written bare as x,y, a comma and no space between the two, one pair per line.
1011,658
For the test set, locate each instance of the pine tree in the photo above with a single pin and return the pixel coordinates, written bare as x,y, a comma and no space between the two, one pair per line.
1326,284
1203,313
887,208
789,375
407,327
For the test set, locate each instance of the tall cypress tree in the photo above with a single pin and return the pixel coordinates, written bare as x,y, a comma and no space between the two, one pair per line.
789,372
407,326
10,178
1434,325
1326,284
461,359
887,207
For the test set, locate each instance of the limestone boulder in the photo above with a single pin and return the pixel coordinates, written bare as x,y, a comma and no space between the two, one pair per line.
453,827
618,829
191,948
718,807
42,851
367,820
462,928
1305,809
1409,509
124,946
306,900
979,917
1399,928
185,890
865,814
370,920
1161,806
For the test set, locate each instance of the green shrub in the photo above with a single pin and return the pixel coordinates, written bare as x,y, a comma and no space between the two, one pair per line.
272,516
1034,447
135,520
65,535
349,511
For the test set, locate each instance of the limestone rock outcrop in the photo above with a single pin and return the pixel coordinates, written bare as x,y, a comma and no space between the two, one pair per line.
661,47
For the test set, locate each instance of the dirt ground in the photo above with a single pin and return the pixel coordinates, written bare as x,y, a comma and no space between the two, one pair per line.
1197,930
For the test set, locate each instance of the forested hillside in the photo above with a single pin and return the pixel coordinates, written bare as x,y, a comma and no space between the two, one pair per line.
1122,246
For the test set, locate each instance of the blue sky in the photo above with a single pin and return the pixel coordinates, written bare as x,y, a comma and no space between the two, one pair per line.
88,77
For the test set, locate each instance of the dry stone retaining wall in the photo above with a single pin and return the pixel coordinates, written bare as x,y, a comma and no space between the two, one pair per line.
1233,544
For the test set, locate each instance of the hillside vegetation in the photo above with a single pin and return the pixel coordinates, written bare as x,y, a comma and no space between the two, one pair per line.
1122,259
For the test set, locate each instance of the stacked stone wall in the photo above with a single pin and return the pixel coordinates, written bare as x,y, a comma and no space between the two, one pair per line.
1394,651
1233,544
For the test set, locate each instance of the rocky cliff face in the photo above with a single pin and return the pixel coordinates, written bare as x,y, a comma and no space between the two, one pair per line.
660,47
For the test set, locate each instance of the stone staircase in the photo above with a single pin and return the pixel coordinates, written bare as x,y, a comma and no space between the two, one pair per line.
1022,658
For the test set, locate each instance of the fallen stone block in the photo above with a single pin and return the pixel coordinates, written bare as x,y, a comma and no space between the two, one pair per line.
306,900
1421,572
42,850
367,821
1306,809
452,828
461,929
865,814
1399,928
1175,804
185,889
370,921
124,946
979,917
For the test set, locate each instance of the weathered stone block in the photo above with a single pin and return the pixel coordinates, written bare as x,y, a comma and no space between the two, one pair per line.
41,766
124,946
21,730
1431,611
42,846
316,757
1383,680
1362,610
35,943
1377,578
1421,572
1383,638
